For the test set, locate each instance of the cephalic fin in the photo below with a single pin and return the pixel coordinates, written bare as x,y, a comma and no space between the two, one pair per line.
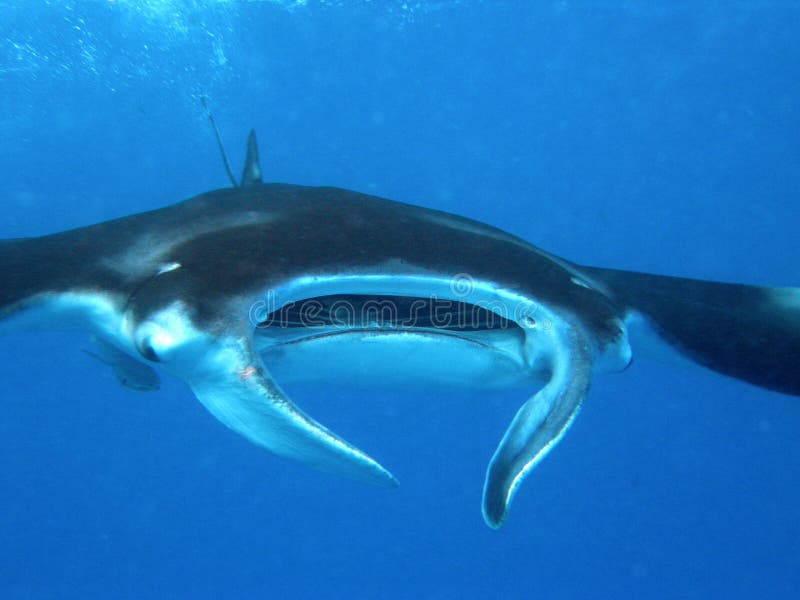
537,427
235,387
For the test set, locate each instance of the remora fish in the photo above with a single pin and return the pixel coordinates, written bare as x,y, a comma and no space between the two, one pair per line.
233,289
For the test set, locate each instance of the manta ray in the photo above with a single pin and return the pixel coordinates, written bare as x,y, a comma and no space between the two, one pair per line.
237,290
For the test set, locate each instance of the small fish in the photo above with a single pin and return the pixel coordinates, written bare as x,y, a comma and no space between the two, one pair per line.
131,373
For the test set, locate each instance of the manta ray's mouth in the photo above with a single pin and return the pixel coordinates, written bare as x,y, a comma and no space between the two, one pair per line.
364,341
349,312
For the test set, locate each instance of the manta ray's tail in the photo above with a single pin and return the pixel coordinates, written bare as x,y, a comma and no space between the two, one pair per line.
748,332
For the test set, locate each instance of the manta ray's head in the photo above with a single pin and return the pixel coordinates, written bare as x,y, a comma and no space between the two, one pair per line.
159,318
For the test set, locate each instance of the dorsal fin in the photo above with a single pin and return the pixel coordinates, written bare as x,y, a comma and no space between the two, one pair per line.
252,170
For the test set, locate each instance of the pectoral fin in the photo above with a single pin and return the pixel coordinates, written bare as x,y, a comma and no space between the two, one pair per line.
235,387
536,428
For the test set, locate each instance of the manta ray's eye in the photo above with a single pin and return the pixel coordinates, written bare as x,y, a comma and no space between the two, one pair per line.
160,333
145,348
150,340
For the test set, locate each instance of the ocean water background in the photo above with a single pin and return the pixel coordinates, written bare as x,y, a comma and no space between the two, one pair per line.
659,136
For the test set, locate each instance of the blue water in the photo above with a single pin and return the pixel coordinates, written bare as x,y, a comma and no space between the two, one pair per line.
656,136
